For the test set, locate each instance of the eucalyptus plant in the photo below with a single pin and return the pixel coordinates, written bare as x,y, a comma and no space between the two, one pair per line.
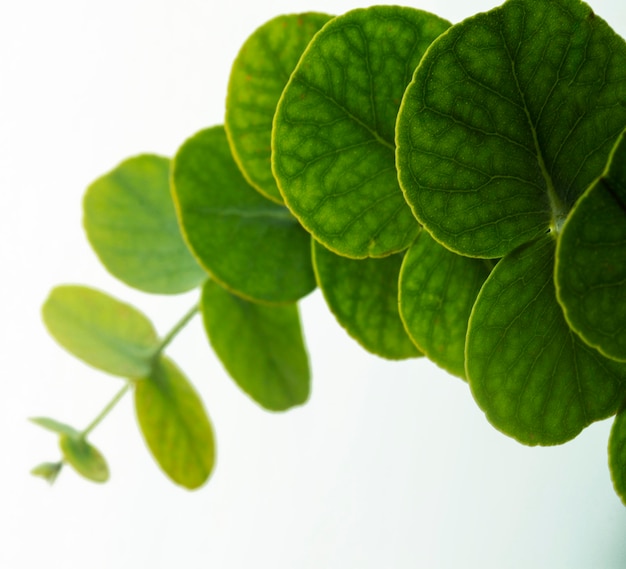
456,192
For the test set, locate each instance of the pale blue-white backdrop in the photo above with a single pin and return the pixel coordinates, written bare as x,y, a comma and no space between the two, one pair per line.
389,464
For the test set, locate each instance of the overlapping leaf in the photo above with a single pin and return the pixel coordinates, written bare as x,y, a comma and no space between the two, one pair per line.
131,223
100,330
79,453
536,380
363,296
261,347
333,137
258,77
509,117
438,289
617,454
85,458
248,243
175,425
591,261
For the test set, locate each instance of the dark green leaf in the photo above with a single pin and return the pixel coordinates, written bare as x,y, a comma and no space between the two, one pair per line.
617,454
248,243
509,117
536,380
333,137
131,223
257,79
261,347
363,296
175,425
84,458
100,330
438,289
591,261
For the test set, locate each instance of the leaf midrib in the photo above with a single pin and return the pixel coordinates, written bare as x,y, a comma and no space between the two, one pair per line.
372,131
558,209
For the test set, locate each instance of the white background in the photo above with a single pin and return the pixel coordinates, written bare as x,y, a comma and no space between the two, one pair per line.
389,464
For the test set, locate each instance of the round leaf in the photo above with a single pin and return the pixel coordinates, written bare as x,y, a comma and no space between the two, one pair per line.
100,330
84,458
257,79
363,296
438,289
249,244
617,454
509,117
175,425
261,347
131,223
333,138
536,380
591,261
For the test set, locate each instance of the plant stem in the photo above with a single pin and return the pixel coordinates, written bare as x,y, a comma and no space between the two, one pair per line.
106,410
176,329
167,339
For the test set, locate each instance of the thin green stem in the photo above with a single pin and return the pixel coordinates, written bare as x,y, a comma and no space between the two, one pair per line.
176,329
106,410
129,384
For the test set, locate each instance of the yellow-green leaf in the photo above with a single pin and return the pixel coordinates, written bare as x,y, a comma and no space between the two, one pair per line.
175,425
86,459
100,330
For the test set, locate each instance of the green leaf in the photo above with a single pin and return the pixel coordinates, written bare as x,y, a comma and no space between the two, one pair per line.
590,270
55,426
536,380
175,425
257,79
249,244
261,347
84,458
100,330
617,454
49,471
131,223
509,117
363,296
438,289
333,137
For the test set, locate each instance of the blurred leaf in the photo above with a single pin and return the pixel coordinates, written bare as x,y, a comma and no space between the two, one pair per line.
55,426
510,116
248,243
363,296
257,79
333,139
84,458
261,347
131,223
591,261
175,425
100,330
49,471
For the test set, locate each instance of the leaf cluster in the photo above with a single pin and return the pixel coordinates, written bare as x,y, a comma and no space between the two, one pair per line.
455,191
